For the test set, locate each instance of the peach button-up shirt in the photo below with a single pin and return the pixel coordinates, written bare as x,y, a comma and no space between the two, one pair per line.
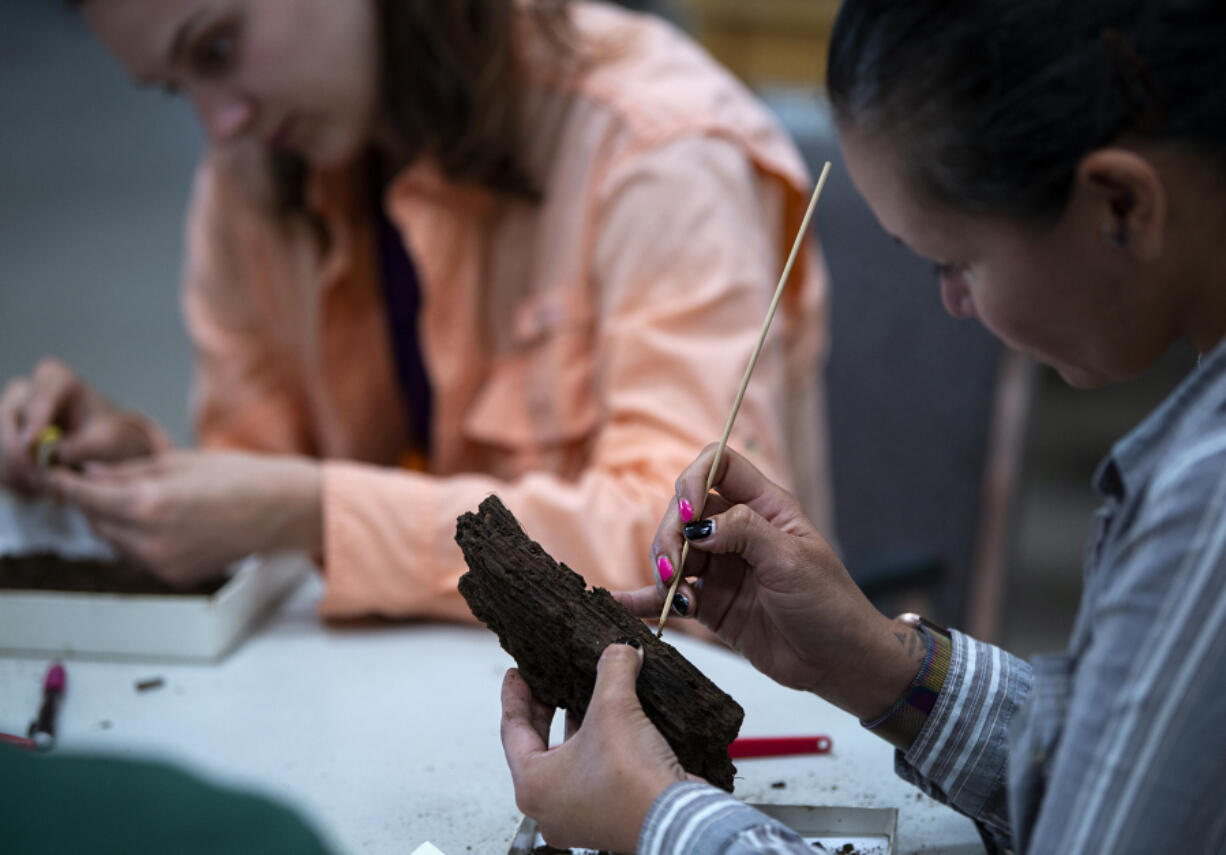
580,350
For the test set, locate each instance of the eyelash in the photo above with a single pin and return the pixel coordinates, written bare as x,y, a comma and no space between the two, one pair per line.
215,51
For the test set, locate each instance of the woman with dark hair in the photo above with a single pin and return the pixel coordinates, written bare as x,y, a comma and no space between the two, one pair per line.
1064,165
439,250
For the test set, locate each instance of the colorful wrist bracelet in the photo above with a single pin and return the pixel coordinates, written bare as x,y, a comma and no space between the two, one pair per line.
903,722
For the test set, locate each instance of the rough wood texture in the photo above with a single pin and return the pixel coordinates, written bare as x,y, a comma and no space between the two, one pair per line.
556,629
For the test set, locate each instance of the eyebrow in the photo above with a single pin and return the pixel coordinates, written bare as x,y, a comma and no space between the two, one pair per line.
179,43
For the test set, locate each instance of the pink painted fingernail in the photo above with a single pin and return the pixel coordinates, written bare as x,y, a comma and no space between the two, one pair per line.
686,510
666,569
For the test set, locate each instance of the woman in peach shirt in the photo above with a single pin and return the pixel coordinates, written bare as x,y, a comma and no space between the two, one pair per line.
439,250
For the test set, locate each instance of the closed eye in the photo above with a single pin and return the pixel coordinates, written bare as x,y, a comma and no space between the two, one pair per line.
215,52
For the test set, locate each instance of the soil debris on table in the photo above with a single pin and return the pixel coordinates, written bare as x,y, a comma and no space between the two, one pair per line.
46,571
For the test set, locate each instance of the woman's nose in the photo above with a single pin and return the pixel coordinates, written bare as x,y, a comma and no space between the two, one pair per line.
957,297
225,117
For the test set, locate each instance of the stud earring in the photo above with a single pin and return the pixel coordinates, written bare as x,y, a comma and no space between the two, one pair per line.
1114,236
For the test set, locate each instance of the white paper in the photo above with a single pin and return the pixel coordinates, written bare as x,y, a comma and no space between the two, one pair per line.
427,848
42,525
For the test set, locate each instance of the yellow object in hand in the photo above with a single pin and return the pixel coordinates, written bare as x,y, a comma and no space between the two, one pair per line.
46,446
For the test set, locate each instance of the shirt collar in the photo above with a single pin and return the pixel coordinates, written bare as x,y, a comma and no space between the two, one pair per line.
1133,458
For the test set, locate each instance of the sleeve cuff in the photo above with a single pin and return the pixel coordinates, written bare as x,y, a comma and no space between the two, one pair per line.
385,563
691,818
962,748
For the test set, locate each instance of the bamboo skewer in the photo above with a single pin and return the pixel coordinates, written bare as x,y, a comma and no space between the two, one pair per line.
740,395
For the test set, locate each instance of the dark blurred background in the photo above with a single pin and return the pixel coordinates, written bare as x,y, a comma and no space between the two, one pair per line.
94,177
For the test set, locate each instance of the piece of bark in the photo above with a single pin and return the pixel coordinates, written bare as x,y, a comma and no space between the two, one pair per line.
556,630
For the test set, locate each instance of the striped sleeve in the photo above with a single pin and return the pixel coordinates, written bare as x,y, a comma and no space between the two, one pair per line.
698,819
961,755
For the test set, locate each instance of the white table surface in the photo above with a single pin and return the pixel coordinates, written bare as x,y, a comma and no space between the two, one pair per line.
387,736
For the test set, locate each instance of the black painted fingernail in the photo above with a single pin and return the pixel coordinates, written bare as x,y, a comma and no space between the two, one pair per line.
681,604
633,642
699,529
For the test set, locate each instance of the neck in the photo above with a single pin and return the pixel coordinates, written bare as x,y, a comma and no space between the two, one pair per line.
1204,271
1197,244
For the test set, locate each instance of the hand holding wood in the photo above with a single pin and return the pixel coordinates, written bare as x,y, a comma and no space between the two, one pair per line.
557,630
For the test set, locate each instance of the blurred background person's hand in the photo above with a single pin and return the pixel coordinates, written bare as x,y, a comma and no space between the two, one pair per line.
90,428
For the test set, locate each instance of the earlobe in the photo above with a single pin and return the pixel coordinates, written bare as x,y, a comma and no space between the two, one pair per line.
1114,234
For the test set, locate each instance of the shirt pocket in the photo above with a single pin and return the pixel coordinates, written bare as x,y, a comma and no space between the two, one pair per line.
1034,739
541,390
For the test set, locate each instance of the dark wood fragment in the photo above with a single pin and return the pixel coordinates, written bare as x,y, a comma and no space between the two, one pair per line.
556,630
49,572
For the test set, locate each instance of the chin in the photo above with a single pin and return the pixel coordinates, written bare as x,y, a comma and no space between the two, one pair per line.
1088,379
1084,382
331,150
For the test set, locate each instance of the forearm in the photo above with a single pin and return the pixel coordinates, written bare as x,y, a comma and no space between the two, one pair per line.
389,535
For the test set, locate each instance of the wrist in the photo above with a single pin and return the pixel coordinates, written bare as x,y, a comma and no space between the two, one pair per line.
301,496
901,724
880,665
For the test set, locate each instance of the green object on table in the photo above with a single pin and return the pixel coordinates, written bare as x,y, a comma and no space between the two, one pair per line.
101,805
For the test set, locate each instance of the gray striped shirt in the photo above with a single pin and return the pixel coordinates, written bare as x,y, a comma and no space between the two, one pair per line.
1117,745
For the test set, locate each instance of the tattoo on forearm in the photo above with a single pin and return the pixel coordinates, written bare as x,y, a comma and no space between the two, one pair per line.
913,643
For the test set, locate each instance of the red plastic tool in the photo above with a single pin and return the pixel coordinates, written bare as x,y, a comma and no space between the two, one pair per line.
778,746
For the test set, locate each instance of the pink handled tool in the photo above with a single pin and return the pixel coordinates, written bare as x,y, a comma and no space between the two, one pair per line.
778,746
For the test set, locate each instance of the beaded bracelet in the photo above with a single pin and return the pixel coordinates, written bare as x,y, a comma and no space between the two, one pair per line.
903,722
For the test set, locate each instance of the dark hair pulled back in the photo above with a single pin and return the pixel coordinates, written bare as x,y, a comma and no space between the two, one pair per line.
995,102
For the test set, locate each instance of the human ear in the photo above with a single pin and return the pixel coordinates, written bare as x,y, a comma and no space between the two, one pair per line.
1131,198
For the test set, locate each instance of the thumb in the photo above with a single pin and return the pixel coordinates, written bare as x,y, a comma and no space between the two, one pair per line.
102,440
617,673
739,530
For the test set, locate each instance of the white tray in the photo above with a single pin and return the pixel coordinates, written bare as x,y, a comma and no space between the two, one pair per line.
869,831
147,626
